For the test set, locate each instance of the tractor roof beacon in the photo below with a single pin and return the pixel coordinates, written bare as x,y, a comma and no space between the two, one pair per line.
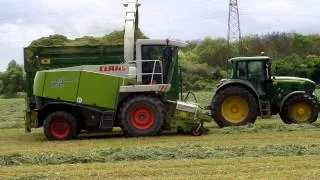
253,91
137,91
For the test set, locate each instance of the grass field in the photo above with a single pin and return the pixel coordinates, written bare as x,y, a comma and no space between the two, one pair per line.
11,113
267,150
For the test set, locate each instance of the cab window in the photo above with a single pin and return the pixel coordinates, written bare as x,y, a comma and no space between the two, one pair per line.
242,70
256,70
152,52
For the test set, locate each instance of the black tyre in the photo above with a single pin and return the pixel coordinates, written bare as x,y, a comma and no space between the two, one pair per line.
79,130
284,118
234,106
142,116
60,125
300,109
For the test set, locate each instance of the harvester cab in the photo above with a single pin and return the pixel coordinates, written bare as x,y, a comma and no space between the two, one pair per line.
158,60
154,59
253,91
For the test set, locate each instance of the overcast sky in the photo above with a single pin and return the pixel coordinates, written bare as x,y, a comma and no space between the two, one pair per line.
24,21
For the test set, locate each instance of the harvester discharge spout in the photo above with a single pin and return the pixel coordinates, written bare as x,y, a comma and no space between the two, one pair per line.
131,23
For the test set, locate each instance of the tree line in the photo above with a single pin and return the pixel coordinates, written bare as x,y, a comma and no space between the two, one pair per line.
203,62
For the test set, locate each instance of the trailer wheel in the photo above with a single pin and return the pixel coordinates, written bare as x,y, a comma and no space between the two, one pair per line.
196,131
142,116
234,106
301,109
60,125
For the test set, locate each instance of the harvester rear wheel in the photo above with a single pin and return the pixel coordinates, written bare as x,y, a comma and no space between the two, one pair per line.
234,106
142,115
60,125
301,109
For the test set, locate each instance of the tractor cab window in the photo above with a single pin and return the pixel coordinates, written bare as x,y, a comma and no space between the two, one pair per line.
257,76
242,70
155,72
256,70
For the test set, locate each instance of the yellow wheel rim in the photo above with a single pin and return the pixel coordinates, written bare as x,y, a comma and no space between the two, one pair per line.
235,109
301,112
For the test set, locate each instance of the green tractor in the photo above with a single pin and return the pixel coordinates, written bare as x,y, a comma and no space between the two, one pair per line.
253,91
96,88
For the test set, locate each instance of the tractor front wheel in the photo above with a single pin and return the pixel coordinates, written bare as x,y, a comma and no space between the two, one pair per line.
284,118
234,106
60,125
300,109
142,116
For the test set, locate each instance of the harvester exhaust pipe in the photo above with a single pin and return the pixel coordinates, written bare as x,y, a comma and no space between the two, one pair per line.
131,23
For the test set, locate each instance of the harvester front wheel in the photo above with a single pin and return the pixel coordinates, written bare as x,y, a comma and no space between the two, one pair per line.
60,125
301,109
142,115
234,106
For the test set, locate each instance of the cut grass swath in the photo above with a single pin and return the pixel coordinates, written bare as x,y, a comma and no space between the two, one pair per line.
184,151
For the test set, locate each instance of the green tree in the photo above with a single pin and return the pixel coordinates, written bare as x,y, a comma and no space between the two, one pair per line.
1,86
12,79
300,44
254,45
214,52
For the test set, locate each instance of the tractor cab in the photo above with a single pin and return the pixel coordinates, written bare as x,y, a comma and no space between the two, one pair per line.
255,70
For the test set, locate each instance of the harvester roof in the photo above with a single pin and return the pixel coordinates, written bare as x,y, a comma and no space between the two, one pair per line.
176,43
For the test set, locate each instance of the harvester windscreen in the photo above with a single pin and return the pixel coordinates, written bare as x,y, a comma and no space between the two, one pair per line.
157,52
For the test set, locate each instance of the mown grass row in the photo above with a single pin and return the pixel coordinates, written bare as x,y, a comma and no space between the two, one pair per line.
262,126
293,167
179,152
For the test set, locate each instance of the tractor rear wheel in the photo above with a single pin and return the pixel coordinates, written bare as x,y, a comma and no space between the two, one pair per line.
300,109
234,106
142,115
60,125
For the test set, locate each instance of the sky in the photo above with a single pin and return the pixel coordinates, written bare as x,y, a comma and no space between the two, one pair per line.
21,22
